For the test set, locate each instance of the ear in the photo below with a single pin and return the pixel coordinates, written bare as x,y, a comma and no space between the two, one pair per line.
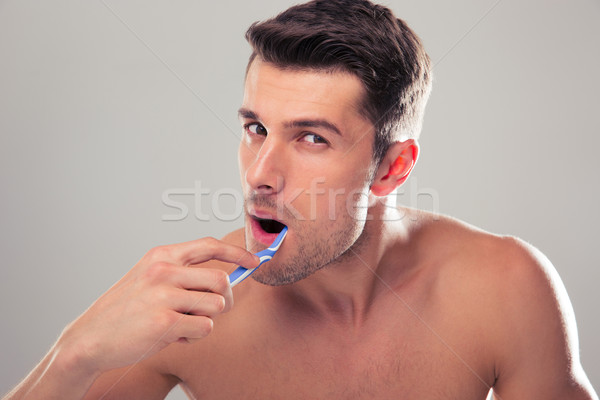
395,167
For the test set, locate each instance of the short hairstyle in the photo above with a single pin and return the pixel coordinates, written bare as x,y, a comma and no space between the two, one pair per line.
361,38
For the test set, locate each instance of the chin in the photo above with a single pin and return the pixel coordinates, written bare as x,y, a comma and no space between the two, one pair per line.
278,277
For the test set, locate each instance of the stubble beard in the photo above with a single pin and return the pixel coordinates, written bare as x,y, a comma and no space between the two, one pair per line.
312,254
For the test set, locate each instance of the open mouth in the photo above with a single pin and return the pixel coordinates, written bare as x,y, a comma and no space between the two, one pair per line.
270,225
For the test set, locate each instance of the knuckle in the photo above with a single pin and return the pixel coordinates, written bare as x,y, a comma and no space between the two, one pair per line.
161,296
164,320
211,243
221,281
159,253
157,271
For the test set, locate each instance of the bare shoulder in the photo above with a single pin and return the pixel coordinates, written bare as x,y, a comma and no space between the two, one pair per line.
503,273
512,289
513,274
516,275
479,252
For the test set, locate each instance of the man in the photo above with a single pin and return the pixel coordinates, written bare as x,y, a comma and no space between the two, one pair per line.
363,300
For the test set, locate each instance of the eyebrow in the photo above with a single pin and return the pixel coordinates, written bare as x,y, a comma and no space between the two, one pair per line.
301,123
248,114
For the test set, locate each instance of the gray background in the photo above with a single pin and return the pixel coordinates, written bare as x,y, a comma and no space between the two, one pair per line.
105,105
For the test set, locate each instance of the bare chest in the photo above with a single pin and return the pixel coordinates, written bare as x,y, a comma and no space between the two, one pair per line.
414,363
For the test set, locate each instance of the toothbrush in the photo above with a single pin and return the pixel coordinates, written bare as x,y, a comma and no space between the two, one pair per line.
265,255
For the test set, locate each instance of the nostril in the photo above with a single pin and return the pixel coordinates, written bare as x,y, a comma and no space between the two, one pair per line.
264,189
265,186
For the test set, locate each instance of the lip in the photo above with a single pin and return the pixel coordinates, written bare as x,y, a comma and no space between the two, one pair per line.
262,214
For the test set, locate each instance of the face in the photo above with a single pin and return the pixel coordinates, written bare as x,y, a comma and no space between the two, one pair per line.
305,161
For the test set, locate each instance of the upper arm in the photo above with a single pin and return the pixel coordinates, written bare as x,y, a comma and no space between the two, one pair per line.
141,381
538,350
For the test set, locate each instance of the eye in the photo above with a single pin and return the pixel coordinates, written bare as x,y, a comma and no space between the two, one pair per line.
256,129
316,139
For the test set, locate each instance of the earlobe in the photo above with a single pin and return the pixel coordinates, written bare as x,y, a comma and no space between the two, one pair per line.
395,167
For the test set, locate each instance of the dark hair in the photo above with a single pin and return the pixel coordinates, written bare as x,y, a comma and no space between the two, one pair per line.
361,38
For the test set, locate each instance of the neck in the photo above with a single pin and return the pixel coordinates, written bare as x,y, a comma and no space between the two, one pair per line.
345,290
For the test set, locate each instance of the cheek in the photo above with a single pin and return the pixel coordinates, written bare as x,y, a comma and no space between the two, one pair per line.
339,203
349,204
352,197
357,205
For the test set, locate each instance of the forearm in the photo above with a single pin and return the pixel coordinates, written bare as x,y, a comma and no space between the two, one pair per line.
61,374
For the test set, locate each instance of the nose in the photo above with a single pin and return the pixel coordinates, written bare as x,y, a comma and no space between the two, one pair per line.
264,174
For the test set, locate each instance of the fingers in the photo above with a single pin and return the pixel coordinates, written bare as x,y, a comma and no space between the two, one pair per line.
186,315
205,279
161,300
190,315
188,328
193,280
198,303
187,298
201,250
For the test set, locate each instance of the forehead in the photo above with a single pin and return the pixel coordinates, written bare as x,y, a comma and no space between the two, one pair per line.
276,93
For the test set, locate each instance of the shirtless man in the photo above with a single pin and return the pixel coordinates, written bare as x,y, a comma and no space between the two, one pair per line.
363,300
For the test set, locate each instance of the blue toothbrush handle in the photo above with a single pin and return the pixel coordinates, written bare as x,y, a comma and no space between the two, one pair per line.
235,275
265,255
